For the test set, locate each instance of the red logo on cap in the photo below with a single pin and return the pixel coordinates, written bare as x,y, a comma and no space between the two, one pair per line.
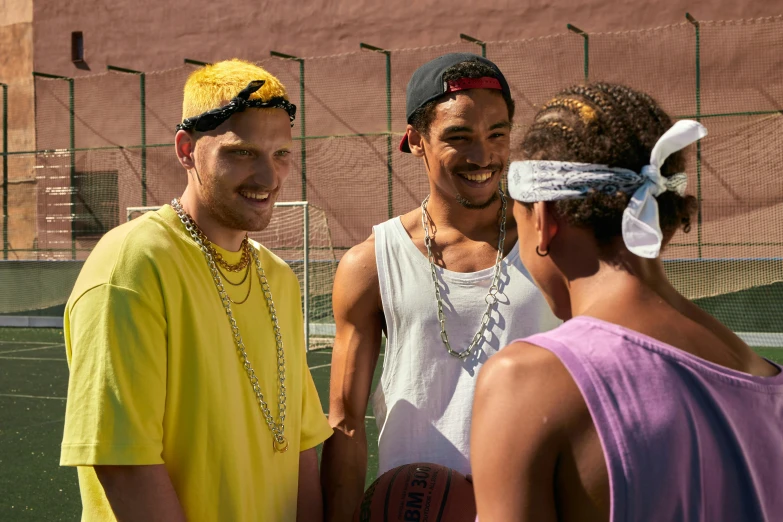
464,84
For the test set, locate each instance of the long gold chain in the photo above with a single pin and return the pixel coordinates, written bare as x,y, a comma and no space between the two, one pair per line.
494,289
229,281
244,278
249,288
279,442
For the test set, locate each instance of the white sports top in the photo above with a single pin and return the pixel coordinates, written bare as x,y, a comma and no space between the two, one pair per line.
424,399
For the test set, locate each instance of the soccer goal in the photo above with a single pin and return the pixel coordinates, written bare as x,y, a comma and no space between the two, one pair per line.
299,234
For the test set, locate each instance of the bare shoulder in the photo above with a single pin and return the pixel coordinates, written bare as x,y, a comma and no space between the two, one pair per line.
522,359
358,263
538,381
356,280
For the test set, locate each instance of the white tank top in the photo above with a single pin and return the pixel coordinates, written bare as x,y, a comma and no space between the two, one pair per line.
424,399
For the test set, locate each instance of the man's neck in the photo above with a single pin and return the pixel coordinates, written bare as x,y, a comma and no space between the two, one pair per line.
627,281
218,234
447,213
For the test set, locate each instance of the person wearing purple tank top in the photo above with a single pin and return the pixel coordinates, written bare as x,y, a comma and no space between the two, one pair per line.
641,406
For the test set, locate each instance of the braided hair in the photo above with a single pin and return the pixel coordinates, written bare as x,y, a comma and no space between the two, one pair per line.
611,125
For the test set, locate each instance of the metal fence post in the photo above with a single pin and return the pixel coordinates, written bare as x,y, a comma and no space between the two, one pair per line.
575,29
695,23
476,41
143,100
301,112
389,171
306,249
5,170
72,149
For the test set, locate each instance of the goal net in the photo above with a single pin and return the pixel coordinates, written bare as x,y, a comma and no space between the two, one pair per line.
299,234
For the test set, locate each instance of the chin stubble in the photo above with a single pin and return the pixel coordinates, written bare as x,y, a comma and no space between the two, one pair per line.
477,206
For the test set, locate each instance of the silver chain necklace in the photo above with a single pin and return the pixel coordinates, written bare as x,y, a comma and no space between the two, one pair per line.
490,299
279,442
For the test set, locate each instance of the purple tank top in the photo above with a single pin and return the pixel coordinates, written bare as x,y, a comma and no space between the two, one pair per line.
684,439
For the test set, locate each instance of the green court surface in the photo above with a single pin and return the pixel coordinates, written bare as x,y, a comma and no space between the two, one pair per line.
33,384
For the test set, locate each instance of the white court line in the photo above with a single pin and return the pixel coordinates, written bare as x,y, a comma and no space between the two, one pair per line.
31,396
329,353
38,424
32,349
365,417
762,340
28,342
33,358
327,365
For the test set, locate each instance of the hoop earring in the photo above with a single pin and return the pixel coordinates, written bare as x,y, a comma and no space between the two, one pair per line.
540,254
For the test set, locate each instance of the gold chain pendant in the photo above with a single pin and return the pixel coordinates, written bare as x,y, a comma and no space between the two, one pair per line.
280,446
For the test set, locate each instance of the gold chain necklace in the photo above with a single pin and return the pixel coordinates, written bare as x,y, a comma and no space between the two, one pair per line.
245,278
229,281
279,442
244,261
249,288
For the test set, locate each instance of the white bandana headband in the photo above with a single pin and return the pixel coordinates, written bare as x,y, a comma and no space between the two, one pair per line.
532,181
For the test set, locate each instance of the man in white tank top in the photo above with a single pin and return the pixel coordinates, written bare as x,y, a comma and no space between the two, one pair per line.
444,282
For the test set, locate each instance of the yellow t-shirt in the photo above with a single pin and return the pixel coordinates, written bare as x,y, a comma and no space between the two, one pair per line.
155,376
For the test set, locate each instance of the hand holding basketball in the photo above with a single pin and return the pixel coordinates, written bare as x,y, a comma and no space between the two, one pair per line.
417,493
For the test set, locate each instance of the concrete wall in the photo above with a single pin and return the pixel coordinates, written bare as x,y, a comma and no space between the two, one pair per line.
16,39
345,94
151,35
16,67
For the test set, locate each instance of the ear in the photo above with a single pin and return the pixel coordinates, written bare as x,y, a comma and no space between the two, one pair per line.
546,225
184,143
415,142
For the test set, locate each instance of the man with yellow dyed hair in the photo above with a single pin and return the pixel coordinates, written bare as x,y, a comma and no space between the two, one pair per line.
189,395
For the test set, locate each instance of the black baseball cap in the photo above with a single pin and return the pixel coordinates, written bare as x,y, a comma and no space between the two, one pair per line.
427,84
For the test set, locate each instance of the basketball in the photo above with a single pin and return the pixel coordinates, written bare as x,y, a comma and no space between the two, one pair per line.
417,493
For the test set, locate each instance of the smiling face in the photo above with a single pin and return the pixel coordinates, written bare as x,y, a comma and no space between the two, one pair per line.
239,168
466,148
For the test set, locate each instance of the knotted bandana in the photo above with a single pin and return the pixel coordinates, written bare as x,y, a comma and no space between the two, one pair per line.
531,181
211,120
